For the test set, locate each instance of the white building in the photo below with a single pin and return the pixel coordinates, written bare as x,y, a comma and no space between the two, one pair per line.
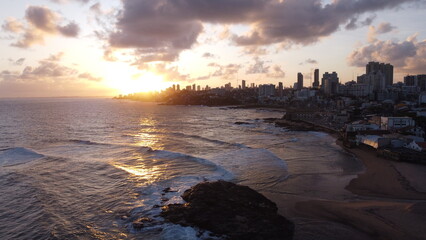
389,123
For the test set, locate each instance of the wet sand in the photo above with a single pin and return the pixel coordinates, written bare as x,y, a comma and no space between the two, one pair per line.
391,204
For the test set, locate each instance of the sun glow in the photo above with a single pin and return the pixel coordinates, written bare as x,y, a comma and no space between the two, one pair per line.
146,82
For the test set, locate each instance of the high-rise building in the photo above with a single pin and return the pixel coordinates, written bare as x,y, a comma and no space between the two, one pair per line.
266,90
198,88
410,80
331,82
421,82
193,87
316,79
280,89
299,81
243,84
385,68
178,87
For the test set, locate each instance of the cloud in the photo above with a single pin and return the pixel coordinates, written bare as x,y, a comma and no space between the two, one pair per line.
89,77
408,55
170,26
383,28
41,22
12,25
353,22
70,30
48,70
258,67
309,61
208,55
277,72
225,71
18,62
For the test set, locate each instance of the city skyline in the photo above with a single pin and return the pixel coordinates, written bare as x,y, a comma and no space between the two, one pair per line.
93,48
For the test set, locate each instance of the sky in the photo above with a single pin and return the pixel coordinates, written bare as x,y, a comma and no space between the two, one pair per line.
55,48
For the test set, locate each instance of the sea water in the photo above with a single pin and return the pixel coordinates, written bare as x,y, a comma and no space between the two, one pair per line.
88,168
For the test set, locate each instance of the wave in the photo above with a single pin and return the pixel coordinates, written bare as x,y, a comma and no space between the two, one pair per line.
17,155
181,158
215,141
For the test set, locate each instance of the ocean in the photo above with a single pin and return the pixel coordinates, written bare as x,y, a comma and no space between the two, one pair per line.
74,168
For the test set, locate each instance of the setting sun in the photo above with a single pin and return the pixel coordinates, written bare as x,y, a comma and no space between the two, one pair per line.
145,82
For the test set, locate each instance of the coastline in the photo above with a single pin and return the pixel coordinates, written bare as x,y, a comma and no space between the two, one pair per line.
391,204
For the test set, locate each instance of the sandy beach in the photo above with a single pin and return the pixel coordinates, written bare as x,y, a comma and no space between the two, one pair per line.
391,205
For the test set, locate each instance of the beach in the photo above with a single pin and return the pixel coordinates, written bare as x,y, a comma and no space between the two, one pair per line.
391,205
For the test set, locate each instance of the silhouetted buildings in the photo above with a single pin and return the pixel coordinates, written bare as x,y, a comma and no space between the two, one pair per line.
331,83
243,84
299,81
385,68
316,79
280,89
416,80
266,90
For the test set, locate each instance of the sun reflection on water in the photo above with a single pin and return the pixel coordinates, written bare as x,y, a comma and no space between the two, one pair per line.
148,135
136,164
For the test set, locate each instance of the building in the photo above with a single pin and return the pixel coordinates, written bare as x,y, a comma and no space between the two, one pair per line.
410,80
385,68
280,89
266,90
390,123
316,79
376,80
299,81
243,84
198,88
355,89
193,87
178,87
331,82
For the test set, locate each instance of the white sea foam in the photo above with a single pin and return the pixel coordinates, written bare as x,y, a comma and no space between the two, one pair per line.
18,155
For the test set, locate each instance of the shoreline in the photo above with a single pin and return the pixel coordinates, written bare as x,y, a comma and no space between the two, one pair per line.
389,205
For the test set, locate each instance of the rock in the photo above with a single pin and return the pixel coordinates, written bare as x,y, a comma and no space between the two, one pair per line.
241,123
225,208
141,222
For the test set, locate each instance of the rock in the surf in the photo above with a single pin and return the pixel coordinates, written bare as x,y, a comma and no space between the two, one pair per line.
235,211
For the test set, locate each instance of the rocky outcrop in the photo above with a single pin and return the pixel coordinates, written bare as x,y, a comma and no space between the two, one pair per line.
235,211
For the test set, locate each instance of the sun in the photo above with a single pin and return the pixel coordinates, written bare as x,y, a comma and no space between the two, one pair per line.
145,82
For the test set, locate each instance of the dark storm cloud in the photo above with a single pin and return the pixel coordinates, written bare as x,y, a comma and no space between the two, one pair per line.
408,55
174,25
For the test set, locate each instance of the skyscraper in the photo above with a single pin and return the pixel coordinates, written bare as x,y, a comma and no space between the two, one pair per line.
316,79
299,81
331,82
243,84
386,69
280,89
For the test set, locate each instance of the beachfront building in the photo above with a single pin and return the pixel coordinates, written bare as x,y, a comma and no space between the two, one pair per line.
374,141
390,123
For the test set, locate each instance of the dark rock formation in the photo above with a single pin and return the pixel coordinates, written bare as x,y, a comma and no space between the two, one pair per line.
225,208
241,123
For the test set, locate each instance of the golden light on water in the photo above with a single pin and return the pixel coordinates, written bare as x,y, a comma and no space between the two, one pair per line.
149,174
